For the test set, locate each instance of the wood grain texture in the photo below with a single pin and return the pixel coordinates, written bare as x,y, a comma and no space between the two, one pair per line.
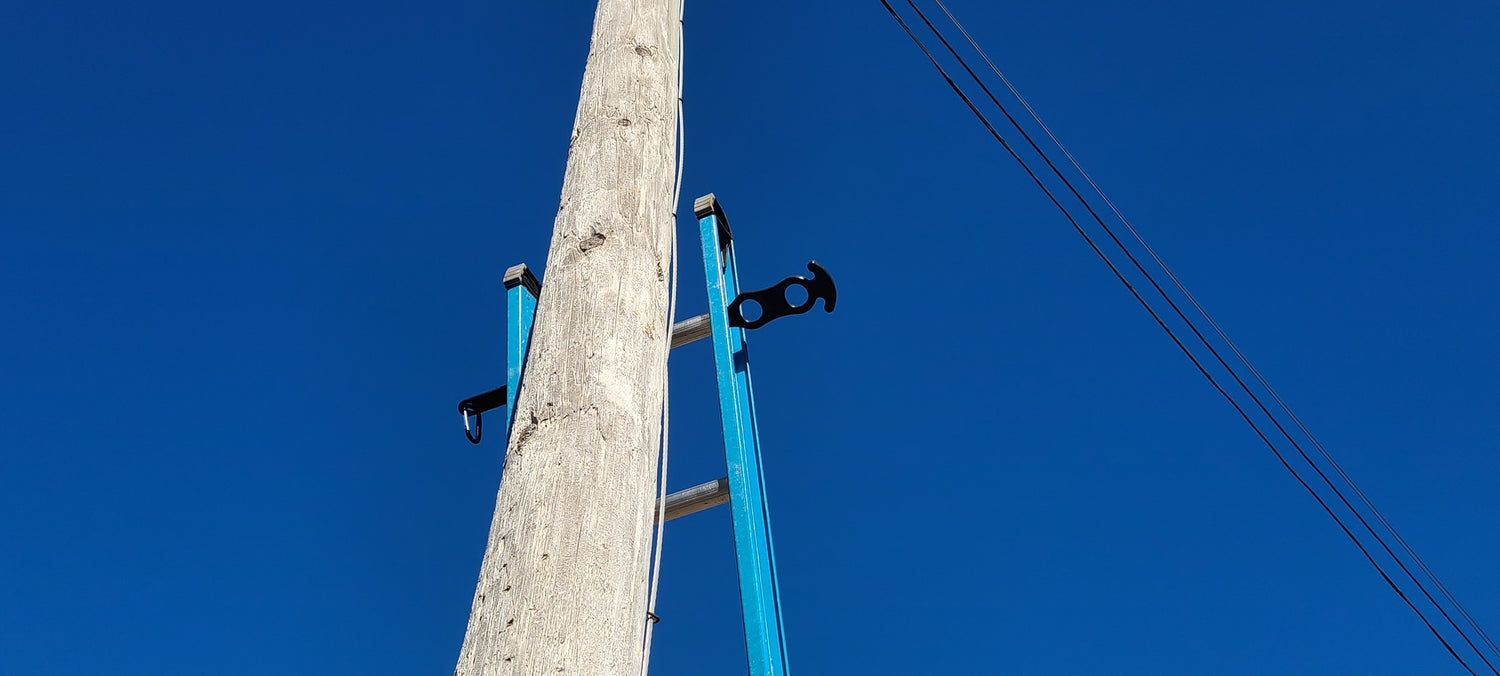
562,589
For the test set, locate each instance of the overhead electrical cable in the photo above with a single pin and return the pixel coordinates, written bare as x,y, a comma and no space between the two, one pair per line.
1199,334
1172,334
1219,331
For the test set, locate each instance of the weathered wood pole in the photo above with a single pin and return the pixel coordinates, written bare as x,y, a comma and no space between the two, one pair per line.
562,589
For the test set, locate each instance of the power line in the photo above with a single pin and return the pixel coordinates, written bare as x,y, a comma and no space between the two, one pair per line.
1219,331
1193,358
1198,333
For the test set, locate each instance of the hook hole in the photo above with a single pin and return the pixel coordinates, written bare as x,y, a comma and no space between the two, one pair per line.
796,296
750,310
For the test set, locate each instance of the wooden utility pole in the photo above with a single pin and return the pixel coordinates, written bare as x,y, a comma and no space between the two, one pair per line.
562,589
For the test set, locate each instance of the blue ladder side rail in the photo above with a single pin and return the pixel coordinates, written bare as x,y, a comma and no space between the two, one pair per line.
760,597
521,291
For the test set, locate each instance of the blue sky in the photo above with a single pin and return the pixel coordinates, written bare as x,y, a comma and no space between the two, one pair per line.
252,252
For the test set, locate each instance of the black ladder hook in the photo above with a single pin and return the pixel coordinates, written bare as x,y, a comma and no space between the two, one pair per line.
773,303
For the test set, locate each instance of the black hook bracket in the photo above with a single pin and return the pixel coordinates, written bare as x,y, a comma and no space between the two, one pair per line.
773,303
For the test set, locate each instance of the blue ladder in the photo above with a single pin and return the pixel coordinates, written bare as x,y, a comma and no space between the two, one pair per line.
744,487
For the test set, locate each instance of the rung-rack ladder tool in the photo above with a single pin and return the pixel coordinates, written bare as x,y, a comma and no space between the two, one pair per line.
744,486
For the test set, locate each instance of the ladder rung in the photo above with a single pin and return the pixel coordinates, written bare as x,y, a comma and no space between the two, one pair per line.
689,330
698,498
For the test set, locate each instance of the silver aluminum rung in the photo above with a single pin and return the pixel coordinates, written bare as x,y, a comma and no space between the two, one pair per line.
698,498
689,330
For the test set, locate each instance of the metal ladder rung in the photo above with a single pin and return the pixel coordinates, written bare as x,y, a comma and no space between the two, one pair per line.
690,330
698,498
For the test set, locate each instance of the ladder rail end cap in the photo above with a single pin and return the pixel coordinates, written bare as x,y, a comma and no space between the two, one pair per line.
708,205
519,275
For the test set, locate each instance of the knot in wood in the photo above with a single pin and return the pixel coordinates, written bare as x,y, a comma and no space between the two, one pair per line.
592,241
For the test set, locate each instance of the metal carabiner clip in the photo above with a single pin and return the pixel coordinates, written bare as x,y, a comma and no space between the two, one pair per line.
478,429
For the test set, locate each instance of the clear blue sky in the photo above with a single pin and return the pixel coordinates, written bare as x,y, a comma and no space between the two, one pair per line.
251,257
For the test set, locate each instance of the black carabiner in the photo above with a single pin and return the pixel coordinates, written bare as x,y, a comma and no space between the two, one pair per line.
478,431
476,406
